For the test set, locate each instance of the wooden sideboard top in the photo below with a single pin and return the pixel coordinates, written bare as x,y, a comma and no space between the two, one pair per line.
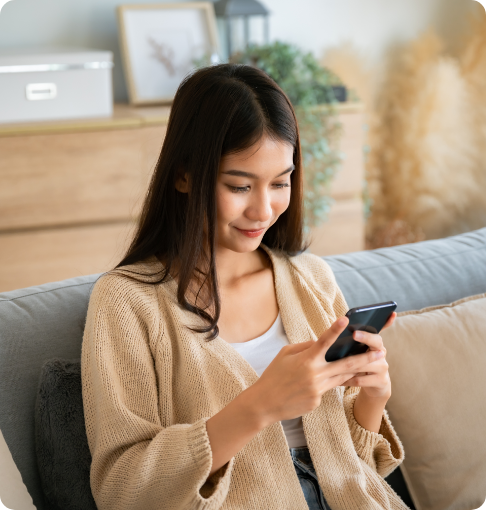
124,117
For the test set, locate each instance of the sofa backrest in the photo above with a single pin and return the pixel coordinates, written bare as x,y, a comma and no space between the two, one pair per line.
44,322
416,275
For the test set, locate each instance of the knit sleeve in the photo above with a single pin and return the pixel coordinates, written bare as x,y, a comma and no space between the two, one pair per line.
136,462
318,274
382,451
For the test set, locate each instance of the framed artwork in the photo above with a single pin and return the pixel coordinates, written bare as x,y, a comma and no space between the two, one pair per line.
160,44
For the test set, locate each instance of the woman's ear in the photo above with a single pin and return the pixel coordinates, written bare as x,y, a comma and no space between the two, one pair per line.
182,184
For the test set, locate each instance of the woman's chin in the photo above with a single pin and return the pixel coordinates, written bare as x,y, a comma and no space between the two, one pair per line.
244,245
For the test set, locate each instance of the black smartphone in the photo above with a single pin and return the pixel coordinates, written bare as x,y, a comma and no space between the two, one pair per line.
369,318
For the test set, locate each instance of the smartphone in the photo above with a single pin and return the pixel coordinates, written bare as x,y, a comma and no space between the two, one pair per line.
369,318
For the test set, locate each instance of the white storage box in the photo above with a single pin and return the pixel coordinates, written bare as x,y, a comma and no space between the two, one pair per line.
53,84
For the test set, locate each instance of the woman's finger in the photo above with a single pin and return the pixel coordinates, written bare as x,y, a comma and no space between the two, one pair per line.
339,380
351,364
376,367
365,381
296,348
324,342
372,340
353,378
390,320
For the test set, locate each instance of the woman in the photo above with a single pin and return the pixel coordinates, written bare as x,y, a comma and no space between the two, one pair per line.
204,379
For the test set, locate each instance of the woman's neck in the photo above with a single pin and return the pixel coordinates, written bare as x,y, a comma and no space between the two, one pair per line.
231,266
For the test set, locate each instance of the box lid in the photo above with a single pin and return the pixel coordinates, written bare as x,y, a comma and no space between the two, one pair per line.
53,59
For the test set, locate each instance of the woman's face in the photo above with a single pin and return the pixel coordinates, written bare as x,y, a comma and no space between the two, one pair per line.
252,191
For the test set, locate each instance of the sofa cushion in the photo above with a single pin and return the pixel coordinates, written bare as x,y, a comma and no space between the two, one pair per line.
37,324
437,359
63,455
13,492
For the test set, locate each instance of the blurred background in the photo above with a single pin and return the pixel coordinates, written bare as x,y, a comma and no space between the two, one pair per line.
389,97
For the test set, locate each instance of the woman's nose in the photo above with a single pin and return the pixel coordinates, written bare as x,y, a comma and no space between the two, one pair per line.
260,208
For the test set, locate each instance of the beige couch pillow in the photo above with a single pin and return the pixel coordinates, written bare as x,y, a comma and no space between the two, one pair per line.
13,493
437,365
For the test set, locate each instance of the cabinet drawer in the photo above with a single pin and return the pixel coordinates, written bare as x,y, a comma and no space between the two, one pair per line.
33,258
348,182
75,178
343,232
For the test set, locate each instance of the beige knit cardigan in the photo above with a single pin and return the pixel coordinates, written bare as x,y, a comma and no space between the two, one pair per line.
150,384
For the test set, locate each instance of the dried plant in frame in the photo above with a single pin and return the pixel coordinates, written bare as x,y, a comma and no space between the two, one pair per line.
160,43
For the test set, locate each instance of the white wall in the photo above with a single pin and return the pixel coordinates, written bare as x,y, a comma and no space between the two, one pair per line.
353,36
316,25
371,25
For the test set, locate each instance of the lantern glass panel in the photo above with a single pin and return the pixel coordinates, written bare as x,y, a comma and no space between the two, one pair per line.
238,34
257,30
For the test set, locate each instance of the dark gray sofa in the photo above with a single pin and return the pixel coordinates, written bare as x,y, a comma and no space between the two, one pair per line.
45,322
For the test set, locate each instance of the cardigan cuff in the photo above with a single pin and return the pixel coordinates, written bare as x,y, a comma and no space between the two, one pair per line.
383,451
212,490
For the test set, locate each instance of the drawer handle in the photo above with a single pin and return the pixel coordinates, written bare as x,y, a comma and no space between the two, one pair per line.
37,91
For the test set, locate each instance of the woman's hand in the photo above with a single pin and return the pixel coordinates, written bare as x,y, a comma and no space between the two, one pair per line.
374,382
293,385
373,379
296,379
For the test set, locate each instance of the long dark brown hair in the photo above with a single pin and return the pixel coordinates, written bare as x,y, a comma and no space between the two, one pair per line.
216,111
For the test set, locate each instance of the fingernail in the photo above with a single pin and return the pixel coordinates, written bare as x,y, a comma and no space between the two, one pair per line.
341,322
379,354
358,335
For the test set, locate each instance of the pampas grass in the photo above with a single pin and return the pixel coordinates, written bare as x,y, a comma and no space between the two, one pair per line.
426,170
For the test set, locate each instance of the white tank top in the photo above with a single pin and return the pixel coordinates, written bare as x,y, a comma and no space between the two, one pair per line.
259,352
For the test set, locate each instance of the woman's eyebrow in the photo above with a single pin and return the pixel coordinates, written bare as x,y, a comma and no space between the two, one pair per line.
241,173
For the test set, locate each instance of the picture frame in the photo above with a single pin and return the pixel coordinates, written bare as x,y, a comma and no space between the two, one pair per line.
159,44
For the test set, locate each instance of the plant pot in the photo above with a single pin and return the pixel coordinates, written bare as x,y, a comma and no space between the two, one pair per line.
340,93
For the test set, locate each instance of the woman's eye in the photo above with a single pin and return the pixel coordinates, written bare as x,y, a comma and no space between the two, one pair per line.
236,189
244,189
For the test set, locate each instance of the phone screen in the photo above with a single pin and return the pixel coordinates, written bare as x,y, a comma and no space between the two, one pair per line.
370,318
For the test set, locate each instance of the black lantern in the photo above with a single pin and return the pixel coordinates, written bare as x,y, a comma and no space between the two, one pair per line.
231,9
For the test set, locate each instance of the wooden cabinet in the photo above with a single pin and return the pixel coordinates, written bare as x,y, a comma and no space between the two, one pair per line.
70,193
42,255
344,231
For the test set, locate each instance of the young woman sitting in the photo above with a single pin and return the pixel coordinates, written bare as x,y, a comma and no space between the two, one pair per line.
205,384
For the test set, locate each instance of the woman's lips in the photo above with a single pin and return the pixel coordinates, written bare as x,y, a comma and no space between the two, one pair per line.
251,233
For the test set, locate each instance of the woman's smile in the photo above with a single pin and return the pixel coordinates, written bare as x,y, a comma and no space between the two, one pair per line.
251,233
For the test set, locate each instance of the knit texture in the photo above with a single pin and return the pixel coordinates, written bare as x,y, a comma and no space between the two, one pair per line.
150,384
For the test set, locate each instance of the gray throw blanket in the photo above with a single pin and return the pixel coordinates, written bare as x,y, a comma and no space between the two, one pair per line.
63,455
